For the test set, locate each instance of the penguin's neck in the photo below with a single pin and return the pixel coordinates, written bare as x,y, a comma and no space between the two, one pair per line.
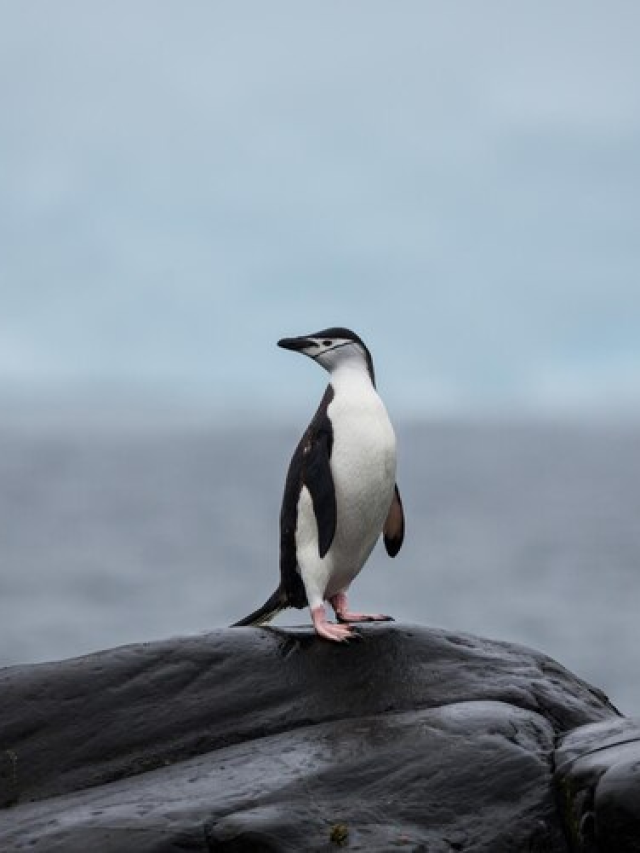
352,379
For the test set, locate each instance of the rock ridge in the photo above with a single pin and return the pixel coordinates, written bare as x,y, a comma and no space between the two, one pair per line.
268,739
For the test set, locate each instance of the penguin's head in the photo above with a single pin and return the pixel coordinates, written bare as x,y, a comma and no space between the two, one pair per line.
333,348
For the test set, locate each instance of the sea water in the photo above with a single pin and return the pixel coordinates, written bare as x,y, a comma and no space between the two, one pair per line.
526,532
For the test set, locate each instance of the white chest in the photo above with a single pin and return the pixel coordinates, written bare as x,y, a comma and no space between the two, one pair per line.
364,444
363,469
363,465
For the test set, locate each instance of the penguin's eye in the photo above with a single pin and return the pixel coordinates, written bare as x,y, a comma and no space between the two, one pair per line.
326,343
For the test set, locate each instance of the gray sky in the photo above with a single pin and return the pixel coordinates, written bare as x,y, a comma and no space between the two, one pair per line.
181,184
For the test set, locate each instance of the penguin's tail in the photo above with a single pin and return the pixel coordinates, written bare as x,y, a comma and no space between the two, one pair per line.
272,606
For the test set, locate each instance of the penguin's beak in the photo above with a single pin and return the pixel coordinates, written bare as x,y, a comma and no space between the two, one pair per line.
296,344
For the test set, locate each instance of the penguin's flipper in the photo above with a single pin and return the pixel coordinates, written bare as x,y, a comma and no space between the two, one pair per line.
310,468
318,479
394,525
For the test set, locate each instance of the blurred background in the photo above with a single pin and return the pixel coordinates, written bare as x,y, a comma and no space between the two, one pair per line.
183,184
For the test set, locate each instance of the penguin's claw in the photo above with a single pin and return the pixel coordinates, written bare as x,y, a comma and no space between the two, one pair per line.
363,617
337,633
344,615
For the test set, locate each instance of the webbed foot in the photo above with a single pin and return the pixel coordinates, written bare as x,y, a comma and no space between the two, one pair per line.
347,616
329,630
344,615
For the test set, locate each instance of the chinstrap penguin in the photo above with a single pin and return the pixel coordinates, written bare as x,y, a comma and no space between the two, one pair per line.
340,493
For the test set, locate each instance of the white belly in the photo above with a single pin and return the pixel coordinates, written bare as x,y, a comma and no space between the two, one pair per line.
363,465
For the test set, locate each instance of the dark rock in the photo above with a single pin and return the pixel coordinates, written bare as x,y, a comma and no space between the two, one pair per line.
269,740
598,779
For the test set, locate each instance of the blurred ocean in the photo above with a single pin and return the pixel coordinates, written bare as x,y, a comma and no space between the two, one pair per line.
524,532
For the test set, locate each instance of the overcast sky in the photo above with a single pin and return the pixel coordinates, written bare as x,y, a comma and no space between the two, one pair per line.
182,183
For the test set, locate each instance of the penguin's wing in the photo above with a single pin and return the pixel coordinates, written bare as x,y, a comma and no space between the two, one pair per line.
317,477
394,525
310,467
290,580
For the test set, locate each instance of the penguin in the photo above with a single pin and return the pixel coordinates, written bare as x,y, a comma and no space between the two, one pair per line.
340,492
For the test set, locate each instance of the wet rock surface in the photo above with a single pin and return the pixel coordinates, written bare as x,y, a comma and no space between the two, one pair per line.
598,778
273,740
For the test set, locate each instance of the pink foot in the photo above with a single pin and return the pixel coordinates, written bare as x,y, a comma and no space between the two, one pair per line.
347,616
337,633
339,604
